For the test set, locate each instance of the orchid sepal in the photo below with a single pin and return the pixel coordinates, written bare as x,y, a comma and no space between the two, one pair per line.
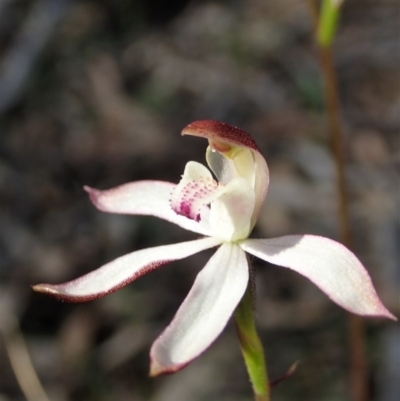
123,270
205,311
328,264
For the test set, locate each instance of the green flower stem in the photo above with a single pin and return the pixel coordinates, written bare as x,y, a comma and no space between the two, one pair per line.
251,346
328,21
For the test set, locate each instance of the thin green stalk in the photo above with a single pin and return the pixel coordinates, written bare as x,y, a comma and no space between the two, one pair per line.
325,27
251,345
328,21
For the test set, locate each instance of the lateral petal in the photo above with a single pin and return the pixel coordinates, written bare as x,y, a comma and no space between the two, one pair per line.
205,312
328,264
231,212
151,198
120,272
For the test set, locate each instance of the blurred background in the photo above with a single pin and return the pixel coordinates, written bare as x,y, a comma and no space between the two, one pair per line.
96,92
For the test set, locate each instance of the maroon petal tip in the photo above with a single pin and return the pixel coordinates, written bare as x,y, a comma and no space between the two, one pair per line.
158,370
50,290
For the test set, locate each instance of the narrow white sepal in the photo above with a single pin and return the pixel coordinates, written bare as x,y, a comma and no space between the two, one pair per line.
328,264
205,312
122,271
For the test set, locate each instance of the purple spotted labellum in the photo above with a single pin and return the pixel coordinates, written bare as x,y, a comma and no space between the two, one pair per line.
223,210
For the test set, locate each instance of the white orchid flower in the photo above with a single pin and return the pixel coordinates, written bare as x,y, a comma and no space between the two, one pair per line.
224,212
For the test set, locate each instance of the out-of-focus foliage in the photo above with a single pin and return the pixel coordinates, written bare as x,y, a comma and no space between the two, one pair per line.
96,93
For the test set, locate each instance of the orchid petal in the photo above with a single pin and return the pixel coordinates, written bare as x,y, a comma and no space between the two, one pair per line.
231,212
231,148
328,264
196,189
205,312
120,272
151,198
